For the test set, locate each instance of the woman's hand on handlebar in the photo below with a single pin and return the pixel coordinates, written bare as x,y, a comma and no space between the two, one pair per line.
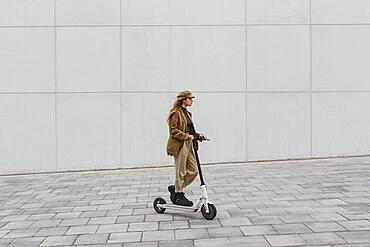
198,137
202,137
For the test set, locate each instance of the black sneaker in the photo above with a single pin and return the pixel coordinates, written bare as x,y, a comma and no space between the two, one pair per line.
171,189
181,200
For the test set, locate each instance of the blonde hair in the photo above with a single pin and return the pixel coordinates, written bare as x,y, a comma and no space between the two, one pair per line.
175,107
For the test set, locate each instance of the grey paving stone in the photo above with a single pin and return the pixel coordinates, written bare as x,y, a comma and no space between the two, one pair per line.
224,232
327,217
322,238
74,222
85,208
301,210
5,242
52,231
125,237
21,233
191,234
55,204
265,220
68,215
204,223
272,211
325,226
92,214
17,225
176,243
250,241
37,211
301,218
37,217
101,245
228,206
355,225
45,223
222,215
355,236
158,235
351,245
63,211
158,217
143,226
58,241
101,202
110,228
351,200
285,240
318,245
307,203
243,213
141,244
144,210
29,242
216,242
111,206
291,228
91,239
32,205
171,225
119,212
12,210
130,218
244,221
102,220
73,230
257,230
356,215
356,207
250,205
11,218
331,202
3,233
2,224
330,209
280,197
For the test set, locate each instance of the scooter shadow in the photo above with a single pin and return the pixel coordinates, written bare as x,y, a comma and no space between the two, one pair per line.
184,215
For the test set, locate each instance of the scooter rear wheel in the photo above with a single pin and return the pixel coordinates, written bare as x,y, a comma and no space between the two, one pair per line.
157,201
212,212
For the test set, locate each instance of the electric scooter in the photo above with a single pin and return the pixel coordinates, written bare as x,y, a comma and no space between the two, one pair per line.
206,207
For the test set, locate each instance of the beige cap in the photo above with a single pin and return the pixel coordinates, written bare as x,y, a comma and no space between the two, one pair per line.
184,95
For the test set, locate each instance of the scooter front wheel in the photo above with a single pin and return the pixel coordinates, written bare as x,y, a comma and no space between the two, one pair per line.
157,201
212,212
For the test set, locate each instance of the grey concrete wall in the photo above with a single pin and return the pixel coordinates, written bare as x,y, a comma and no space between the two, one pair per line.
88,84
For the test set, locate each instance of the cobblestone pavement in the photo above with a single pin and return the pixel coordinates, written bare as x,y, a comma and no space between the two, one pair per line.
322,202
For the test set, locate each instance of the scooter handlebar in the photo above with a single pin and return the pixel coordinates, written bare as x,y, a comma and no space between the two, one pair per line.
201,138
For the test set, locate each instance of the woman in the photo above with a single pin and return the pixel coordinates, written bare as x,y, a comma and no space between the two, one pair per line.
180,145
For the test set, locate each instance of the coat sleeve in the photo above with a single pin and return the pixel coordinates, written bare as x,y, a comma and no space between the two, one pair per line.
175,132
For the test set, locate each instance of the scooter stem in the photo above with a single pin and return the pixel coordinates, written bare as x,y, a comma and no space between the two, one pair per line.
198,163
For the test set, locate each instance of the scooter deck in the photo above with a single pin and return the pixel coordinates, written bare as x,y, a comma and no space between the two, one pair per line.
178,207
